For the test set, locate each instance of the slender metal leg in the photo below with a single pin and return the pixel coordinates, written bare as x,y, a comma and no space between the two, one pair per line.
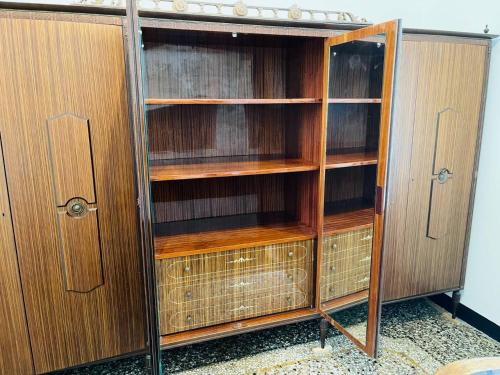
323,330
455,300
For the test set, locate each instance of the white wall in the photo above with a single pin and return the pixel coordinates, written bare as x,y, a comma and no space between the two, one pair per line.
482,283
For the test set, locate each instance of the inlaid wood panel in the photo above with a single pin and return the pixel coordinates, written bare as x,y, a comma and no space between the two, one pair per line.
443,87
81,251
70,156
49,68
15,351
345,263
207,289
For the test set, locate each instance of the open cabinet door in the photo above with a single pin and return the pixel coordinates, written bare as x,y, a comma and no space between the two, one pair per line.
357,106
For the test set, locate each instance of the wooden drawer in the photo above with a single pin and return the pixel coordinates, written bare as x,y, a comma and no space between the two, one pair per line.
217,289
231,310
219,264
346,262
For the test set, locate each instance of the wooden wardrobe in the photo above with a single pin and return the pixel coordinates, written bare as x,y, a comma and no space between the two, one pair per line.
167,180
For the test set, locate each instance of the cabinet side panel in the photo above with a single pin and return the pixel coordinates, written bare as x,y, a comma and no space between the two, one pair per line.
51,68
15,354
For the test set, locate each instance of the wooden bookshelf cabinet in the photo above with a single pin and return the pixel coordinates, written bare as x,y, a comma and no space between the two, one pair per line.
165,180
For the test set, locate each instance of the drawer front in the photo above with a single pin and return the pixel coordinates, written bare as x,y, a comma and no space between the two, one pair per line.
218,290
210,314
220,264
346,262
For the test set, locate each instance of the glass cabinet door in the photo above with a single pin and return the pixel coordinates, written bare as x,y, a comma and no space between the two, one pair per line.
357,106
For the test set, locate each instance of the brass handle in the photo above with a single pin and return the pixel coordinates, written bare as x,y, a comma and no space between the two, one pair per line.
189,294
290,254
289,276
289,299
189,318
332,268
187,269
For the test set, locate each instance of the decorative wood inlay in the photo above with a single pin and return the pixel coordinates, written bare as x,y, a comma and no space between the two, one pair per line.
208,289
439,208
345,263
71,158
448,140
81,250
228,169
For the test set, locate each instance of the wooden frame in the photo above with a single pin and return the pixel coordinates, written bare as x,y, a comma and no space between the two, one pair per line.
392,31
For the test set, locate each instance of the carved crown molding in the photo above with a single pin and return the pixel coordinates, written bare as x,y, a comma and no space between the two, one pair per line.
237,10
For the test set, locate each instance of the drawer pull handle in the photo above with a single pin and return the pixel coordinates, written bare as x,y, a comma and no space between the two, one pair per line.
187,269
240,260
364,279
242,308
189,294
189,318
290,254
332,268
289,276
331,289
241,284
289,299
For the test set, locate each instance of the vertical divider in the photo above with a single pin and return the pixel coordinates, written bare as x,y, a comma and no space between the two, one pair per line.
133,47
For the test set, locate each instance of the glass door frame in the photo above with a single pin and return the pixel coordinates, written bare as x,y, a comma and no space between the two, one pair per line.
392,32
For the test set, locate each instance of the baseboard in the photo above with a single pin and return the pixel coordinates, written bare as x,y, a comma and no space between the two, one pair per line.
469,316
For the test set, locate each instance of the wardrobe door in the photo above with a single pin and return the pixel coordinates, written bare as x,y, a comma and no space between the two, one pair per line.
15,356
69,167
434,147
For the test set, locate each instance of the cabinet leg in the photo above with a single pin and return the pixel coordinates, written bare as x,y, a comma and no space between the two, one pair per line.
323,331
455,301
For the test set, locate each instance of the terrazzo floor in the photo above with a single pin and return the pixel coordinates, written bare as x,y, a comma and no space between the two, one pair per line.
417,337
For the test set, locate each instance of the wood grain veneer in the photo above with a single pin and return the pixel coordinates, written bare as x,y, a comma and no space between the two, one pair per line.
354,100
353,159
241,326
151,101
208,289
50,68
436,77
228,169
346,263
214,241
15,350
348,220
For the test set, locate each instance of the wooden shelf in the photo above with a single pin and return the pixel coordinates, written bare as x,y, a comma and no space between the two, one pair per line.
354,100
345,301
355,159
228,169
349,220
233,328
172,246
154,101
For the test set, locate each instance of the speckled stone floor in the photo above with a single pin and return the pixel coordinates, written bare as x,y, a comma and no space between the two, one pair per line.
417,337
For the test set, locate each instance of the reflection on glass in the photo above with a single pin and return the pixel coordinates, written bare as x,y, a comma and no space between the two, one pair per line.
355,92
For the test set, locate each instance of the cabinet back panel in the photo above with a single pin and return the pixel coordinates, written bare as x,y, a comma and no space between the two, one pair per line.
352,126
356,70
216,65
349,184
52,68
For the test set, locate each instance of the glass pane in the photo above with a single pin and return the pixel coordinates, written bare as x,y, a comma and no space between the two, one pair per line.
355,90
